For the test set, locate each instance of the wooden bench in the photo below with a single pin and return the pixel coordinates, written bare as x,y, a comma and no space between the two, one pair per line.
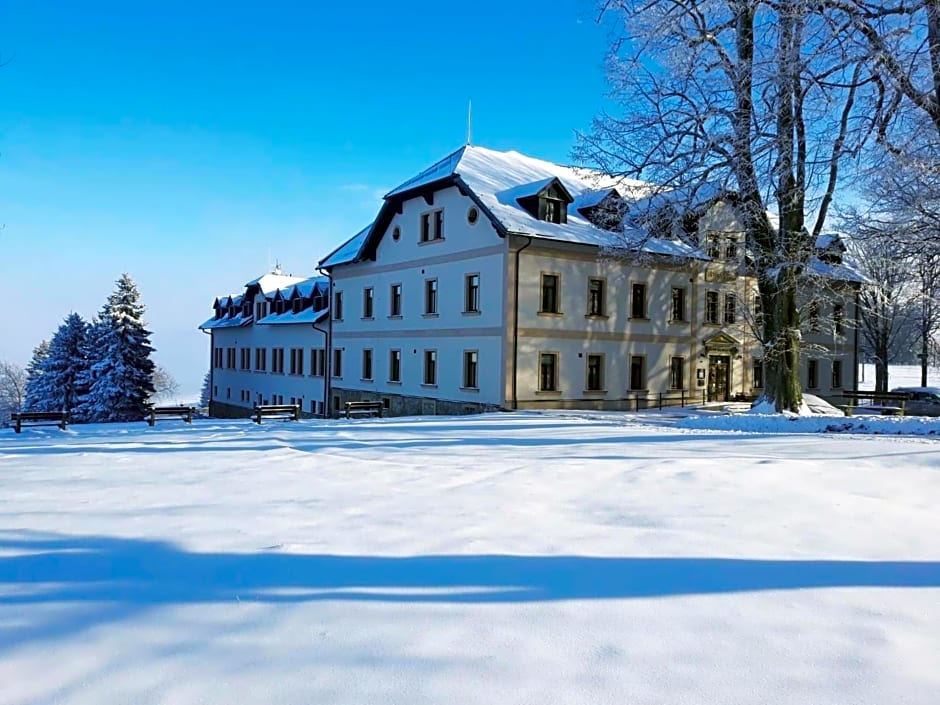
884,403
288,412
40,418
364,408
185,413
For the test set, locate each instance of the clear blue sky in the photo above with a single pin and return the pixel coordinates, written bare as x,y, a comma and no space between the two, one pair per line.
192,143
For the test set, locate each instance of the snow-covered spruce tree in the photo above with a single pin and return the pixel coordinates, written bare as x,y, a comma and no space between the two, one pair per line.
54,384
91,352
205,394
34,372
121,373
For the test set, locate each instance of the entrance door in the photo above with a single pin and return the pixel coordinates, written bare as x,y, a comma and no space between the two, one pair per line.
719,373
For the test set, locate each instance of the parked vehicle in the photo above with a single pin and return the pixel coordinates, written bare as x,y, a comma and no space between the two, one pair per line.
922,401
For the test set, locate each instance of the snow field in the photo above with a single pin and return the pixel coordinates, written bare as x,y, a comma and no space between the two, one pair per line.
513,558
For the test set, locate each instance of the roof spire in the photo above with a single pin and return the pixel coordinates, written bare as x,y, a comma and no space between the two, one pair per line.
469,120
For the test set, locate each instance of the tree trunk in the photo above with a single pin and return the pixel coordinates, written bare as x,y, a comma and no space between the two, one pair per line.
881,373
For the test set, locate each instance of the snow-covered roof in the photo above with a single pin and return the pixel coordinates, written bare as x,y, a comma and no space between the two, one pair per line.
685,199
308,315
226,322
592,198
499,179
830,240
269,283
846,271
349,250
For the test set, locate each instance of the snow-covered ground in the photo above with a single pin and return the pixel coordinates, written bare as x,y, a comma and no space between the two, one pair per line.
515,558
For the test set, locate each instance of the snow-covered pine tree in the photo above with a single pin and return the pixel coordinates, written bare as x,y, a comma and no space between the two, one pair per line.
54,387
122,372
205,395
34,372
92,350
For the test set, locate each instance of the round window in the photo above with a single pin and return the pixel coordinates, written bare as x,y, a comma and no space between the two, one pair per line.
472,215
396,233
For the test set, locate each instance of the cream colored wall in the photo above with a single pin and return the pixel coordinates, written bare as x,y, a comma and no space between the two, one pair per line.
574,335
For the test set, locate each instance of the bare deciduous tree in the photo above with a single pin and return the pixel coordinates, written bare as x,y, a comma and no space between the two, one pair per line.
764,100
12,389
165,385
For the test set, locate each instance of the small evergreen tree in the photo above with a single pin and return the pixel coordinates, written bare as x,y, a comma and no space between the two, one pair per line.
122,371
33,373
54,387
205,395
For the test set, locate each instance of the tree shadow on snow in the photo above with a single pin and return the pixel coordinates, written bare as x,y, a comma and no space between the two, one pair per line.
62,585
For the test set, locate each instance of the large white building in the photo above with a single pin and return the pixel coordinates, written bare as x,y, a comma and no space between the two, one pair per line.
489,281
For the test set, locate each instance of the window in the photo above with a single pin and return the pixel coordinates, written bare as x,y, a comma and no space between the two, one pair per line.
595,373
731,248
711,307
549,297
758,311
297,304
261,359
595,297
812,374
367,300
638,301
432,226
637,372
677,373
837,374
337,305
317,362
217,358
230,358
812,315
296,361
277,360
678,304
367,364
472,293
228,392
470,366
258,313
394,308
553,210
337,363
729,311
394,365
245,362
838,321
430,297
548,372
713,247
430,366
758,374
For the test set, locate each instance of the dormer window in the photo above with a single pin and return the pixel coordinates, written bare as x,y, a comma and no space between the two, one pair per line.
604,208
297,303
548,200
246,309
552,211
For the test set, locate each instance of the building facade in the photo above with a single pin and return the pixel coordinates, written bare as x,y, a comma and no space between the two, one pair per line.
493,280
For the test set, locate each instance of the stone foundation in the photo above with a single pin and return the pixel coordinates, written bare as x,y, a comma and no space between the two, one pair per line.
401,405
221,410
